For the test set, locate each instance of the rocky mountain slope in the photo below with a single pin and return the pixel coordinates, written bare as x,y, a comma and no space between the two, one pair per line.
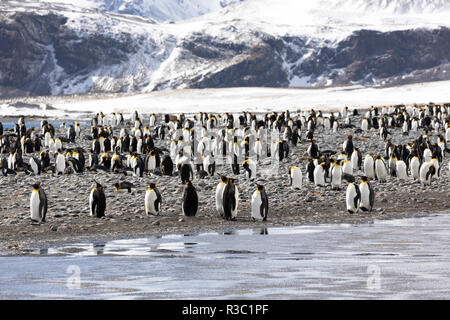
57,48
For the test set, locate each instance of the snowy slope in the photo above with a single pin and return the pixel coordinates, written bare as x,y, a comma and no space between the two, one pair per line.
158,10
232,100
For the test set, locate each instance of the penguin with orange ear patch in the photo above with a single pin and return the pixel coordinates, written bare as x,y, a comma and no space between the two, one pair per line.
152,200
38,204
260,204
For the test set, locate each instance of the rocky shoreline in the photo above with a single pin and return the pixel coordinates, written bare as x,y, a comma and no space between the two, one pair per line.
68,217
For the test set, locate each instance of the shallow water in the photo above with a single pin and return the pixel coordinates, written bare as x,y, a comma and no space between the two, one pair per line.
390,259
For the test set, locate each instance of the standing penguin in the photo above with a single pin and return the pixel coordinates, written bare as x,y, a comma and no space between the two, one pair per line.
260,204
347,146
230,200
38,204
167,165
352,197
367,194
219,194
319,175
295,177
60,165
427,171
35,165
310,170
97,201
152,200
190,200
250,168
380,169
414,167
336,176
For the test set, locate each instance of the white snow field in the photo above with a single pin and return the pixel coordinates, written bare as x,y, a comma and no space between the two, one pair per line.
233,100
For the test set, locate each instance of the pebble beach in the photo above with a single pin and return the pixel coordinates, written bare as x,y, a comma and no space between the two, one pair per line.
68,216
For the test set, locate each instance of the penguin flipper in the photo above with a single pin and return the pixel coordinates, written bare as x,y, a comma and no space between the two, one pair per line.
358,196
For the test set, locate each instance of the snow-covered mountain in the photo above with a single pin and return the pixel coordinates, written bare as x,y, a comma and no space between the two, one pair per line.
158,10
57,47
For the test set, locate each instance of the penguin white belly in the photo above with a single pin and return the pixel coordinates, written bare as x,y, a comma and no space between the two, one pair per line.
256,206
350,196
319,177
34,206
151,163
380,171
60,164
414,167
368,168
235,211
296,176
150,198
336,177
91,200
365,196
347,167
219,197
401,170
354,159
34,166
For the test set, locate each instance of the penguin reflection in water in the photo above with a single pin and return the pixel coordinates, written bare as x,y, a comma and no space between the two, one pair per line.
38,204
260,204
190,200
97,201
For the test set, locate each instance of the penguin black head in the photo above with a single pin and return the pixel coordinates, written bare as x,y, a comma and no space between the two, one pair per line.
152,185
188,183
364,178
223,179
98,186
260,187
36,186
378,157
117,185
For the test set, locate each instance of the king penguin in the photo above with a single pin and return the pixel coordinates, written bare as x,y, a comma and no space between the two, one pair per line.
152,200
190,200
352,197
295,177
427,171
367,195
219,194
380,169
230,200
260,204
250,168
38,204
97,201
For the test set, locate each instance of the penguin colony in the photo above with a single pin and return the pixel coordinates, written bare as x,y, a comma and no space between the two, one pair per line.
190,148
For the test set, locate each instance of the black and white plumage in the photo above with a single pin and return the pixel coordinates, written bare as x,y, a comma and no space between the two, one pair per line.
153,200
352,197
190,200
219,194
97,201
230,200
367,195
38,204
124,185
260,204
